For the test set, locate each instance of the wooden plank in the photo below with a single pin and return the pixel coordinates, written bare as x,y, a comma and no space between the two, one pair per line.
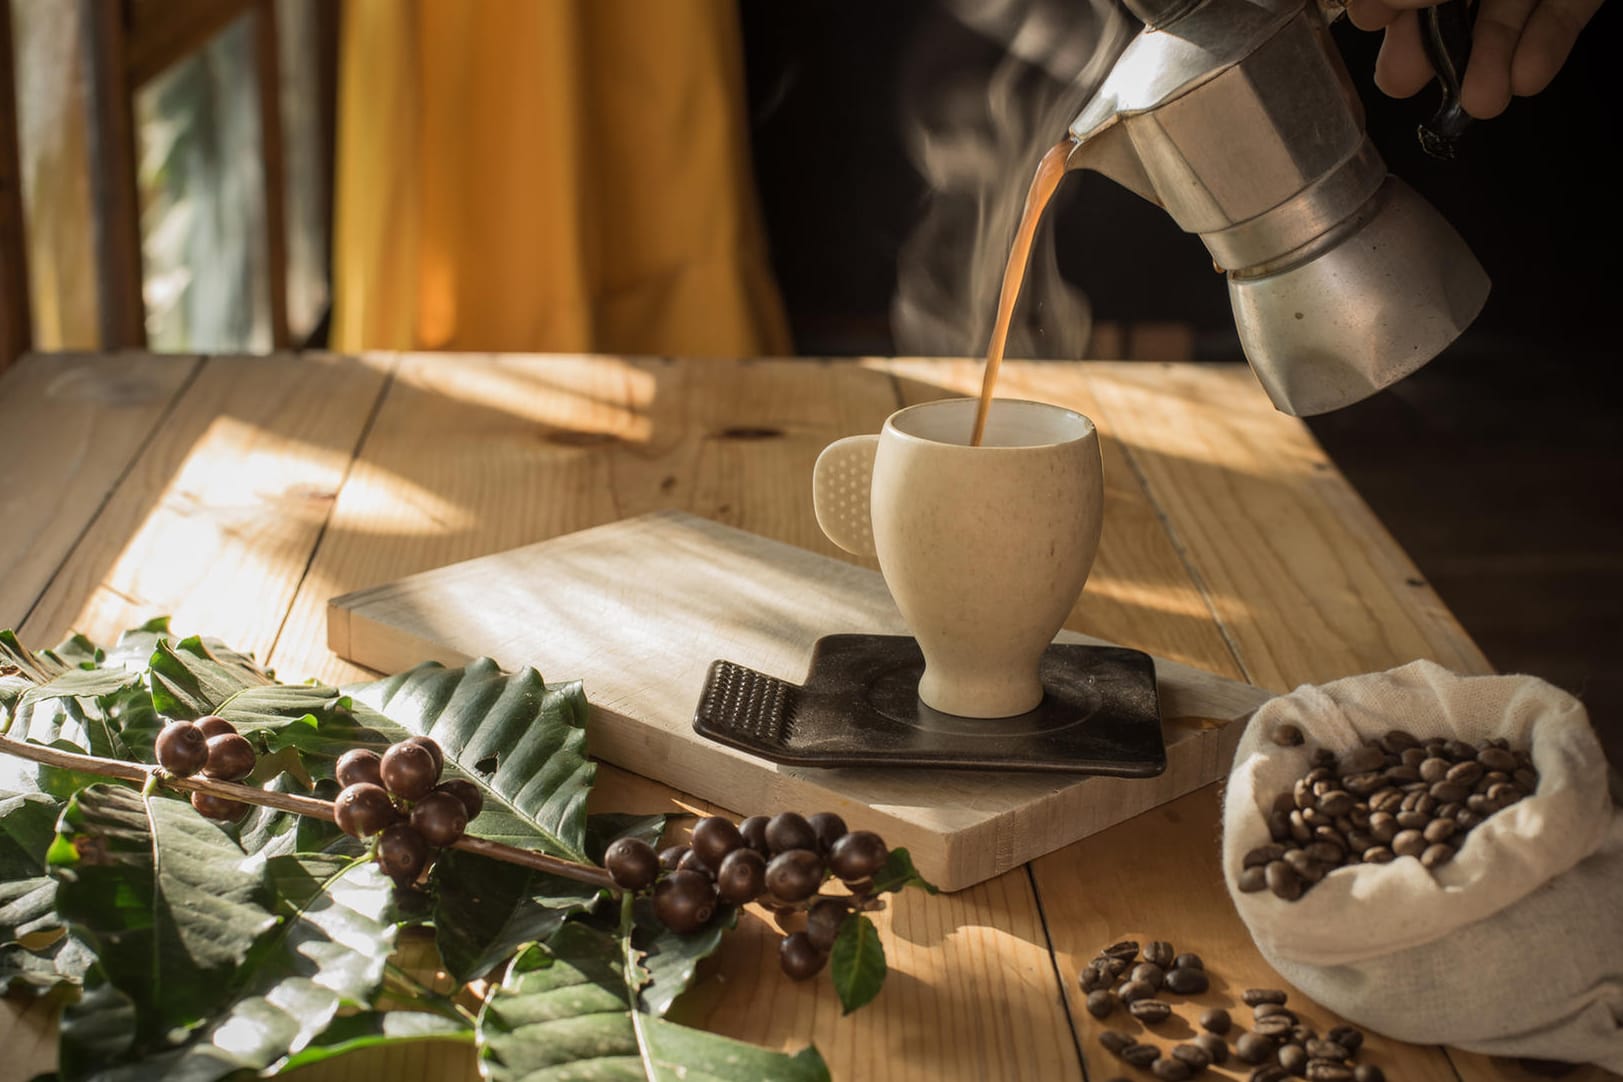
267,66
16,321
162,32
113,157
71,426
1305,581
215,522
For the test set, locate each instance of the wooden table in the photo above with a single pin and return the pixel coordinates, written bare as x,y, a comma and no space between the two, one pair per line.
238,495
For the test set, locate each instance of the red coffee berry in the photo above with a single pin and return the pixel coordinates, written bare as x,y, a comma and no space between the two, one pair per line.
363,809
408,770
358,765
402,853
631,863
230,757
219,807
214,725
467,792
182,749
440,818
858,855
684,901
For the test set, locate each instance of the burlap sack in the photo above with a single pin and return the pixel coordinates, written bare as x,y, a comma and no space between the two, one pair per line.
1513,948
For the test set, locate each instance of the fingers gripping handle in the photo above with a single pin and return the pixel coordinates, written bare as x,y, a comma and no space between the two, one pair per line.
842,484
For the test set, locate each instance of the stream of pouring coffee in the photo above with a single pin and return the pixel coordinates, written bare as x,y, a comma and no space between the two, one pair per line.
1049,173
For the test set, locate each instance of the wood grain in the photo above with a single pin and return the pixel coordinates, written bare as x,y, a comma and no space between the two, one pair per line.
69,426
214,524
16,319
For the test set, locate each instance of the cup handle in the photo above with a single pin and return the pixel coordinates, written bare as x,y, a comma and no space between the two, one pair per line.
842,484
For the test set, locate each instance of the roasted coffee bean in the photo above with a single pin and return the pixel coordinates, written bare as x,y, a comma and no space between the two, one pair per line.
1140,1055
1304,865
1114,966
1133,991
1383,827
1336,802
1409,843
1398,741
1252,880
1459,750
1269,1072
1160,952
1448,811
1170,1070
1504,795
1126,950
1091,979
1368,1072
1270,1010
1253,1048
1326,852
1496,759
1151,1012
1467,819
1188,961
1358,818
1349,1037
1115,1040
1293,1057
1526,778
1440,830
1214,1047
1276,1026
1188,981
1328,1070
1359,840
1361,760
1253,997
1413,757
1327,1049
1197,1057
1302,796
1412,820
1444,792
1299,828
1378,854
1301,1033
1434,770
1466,773
1363,784
1101,1003
1481,804
1262,855
1386,800
1150,973
1401,774
1436,856
1287,736
1215,1020
1279,826
1283,881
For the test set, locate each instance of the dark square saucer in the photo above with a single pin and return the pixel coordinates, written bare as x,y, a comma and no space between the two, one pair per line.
860,707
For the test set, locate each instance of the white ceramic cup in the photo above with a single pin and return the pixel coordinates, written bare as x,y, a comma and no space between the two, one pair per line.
985,549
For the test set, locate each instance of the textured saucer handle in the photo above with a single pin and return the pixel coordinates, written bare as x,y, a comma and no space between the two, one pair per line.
842,483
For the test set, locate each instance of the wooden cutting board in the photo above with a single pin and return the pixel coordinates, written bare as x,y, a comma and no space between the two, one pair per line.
639,609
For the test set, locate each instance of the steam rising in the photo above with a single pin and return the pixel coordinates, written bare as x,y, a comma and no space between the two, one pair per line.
976,140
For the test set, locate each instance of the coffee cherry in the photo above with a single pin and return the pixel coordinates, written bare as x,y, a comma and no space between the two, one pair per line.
218,807
671,856
684,901
789,830
230,757
795,875
358,765
713,838
440,818
182,748
408,770
467,792
829,829
402,853
823,921
631,863
858,855
363,809
799,957
742,876
691,862
433,748
753,831
214,725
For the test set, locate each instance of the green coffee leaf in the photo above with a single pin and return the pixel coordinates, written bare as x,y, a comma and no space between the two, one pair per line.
899,873
857,962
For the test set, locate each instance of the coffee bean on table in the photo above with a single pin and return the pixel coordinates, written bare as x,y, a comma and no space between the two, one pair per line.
1091,979
1101,1002
1215,1020
1214,1047
1188,961
1188,981
1197,1057
1160,952
1301,1033
1349,1037
1150,973
1270,1010
1328,1070
1170,1070
1326,1049
1368,1072
1275,1026
1251,880
1141,1055
1252,997
1126,950
1133,991
1152,1012
1293,1057
1269,1072
1115,1040
1253,1048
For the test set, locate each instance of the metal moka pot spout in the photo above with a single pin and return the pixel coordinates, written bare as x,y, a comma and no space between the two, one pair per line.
1239,119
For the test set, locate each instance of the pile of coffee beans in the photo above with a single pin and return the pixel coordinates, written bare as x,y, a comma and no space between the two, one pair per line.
1399,796
398,798
1279,1045
212,745
782,862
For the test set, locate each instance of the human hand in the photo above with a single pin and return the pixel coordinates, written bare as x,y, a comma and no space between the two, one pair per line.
1517,47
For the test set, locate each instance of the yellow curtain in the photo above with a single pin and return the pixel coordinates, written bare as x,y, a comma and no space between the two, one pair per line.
559,175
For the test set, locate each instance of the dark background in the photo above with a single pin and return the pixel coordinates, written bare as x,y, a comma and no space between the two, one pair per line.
1499,467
